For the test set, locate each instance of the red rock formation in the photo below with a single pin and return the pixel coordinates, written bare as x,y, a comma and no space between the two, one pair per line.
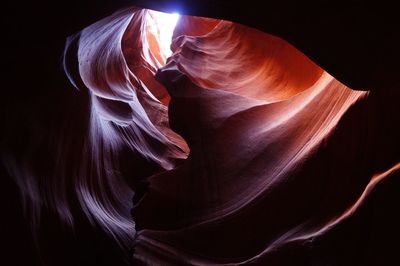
239,149
257,114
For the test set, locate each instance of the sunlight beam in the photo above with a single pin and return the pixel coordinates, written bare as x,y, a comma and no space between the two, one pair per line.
165,24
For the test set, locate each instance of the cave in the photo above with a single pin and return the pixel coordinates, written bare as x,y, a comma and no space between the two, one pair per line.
201,133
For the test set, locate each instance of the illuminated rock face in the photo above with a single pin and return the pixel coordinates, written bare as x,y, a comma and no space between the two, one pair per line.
260,120
255,155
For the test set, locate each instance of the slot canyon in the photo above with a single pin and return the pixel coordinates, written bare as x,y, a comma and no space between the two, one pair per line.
201,133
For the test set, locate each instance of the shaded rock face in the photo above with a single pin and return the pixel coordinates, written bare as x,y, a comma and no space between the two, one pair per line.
237,149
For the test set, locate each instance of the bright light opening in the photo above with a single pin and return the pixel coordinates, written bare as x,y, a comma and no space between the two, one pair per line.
164,24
